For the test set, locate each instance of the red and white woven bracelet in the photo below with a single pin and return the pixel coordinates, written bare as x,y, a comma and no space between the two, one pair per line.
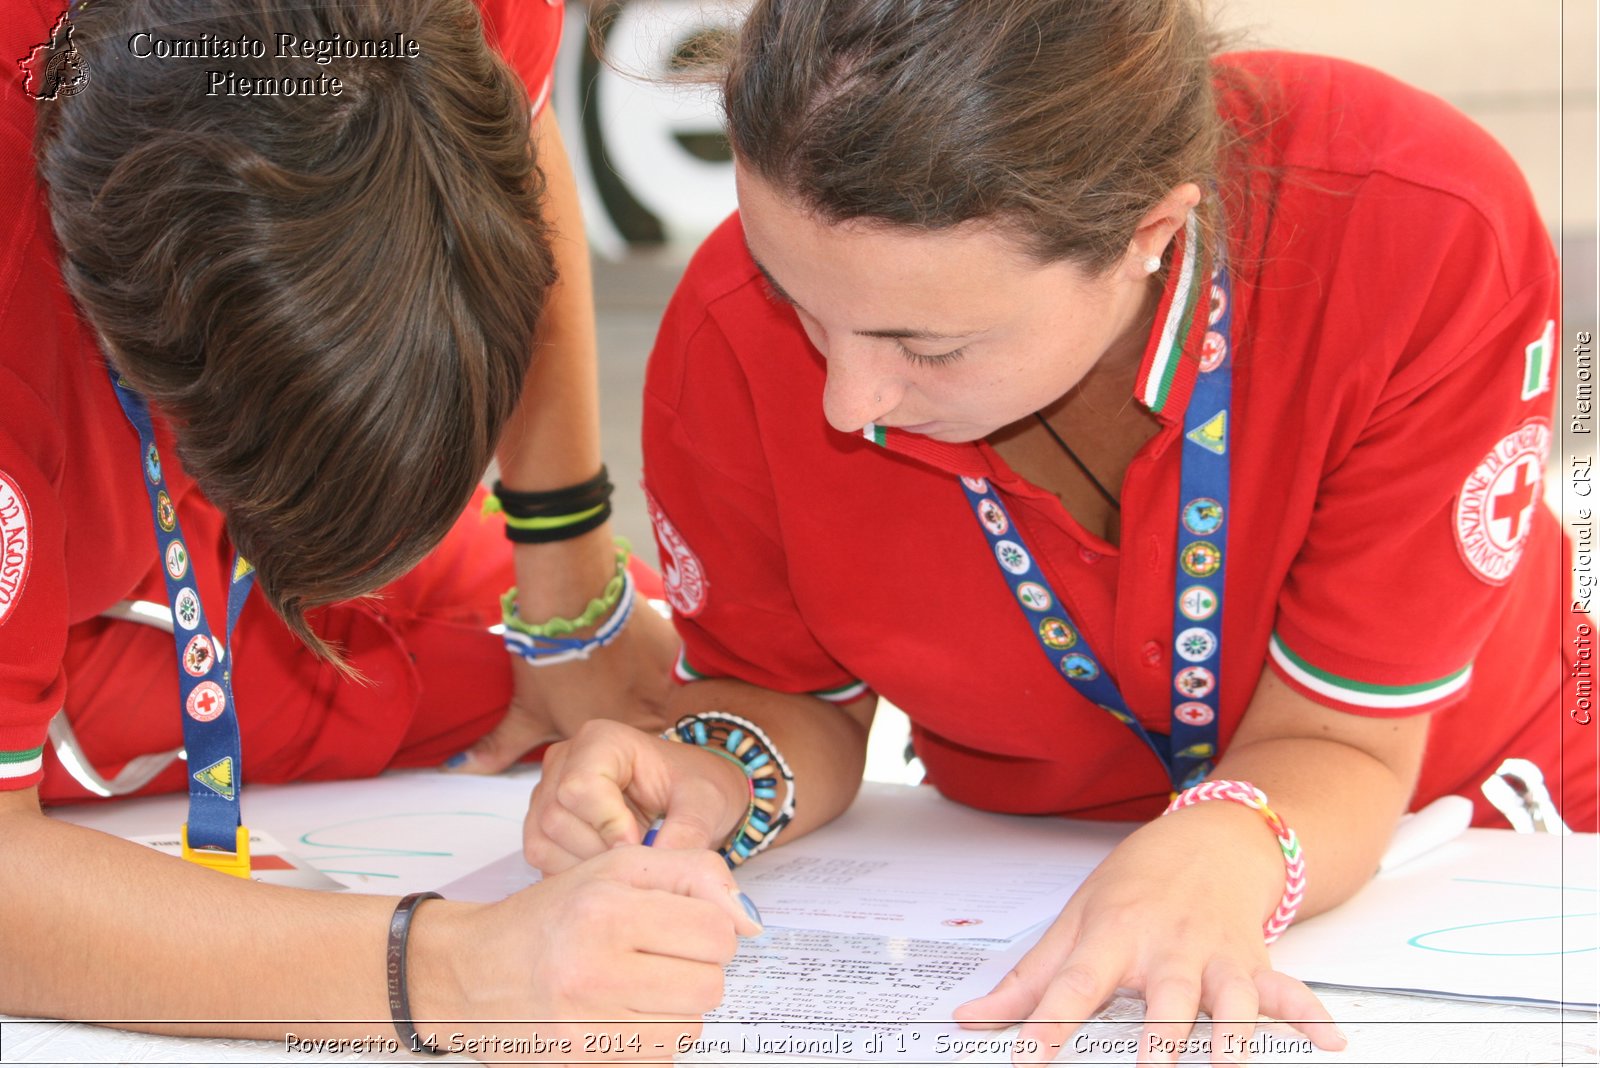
1294,861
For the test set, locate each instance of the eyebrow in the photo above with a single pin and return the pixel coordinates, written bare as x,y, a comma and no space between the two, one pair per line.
895,333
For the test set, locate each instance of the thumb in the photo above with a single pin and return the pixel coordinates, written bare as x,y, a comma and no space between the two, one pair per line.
703,809
689,873
521,731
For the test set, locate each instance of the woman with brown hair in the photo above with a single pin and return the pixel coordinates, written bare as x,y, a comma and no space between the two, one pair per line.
1160,429
272,281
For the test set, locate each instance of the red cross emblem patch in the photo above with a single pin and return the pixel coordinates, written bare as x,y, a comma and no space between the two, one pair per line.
1495,509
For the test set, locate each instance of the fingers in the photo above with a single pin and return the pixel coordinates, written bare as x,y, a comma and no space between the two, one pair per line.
688,873
554,840
1015,996
1073,995
1172,1001
1234,1004
524,728
591,793
1288,999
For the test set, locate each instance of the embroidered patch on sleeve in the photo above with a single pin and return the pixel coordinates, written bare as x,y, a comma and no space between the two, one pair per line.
682,573
16,545
1495,509
1537,362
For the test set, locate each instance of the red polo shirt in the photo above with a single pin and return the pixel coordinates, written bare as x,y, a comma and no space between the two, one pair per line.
76,534
1388,553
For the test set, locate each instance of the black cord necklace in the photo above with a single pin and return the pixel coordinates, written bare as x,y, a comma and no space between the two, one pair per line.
1116,504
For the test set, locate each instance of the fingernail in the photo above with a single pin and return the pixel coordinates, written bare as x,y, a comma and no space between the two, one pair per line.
455,761
1337,1030
749,907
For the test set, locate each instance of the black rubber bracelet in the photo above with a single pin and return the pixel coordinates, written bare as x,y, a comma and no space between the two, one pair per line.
523,536
399,998
566,501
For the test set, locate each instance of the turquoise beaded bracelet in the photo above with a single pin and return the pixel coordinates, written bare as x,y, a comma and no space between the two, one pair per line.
748,746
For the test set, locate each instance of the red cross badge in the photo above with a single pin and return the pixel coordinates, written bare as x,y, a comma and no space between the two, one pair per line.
1495,509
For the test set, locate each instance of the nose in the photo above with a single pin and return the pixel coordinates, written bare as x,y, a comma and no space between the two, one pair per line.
860,388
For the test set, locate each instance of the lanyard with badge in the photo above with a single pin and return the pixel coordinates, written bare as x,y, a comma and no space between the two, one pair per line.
214,835
1188,752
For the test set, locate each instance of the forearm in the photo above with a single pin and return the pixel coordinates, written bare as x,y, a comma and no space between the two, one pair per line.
553,438
825,745
104,929
1340,781
1341,802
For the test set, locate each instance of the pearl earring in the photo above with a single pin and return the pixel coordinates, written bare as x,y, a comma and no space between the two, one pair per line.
1152,265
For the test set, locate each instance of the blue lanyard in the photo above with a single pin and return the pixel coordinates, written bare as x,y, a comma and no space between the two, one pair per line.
1189,751
205,683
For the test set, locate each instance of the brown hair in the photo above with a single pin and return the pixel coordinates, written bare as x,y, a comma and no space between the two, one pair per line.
333,298
1064,120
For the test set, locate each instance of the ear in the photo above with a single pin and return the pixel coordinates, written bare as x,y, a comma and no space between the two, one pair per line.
1156,229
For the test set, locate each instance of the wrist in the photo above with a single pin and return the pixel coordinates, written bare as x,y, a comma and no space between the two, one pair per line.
559,578
439,988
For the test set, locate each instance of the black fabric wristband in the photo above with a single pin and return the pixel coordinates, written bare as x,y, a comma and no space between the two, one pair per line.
399,998
524,536
566,501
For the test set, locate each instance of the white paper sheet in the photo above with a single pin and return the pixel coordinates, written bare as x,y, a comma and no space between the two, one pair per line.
391,835
910,864
1492,915
854,997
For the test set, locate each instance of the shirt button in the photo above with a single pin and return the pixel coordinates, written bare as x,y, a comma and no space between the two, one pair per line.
1088,556
1152,653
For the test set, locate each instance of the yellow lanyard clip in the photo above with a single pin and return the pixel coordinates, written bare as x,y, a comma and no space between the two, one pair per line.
236,863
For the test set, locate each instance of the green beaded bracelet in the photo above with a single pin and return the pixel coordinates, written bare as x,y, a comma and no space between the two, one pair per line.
598,608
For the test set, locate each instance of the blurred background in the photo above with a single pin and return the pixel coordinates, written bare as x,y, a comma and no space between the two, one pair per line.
655,176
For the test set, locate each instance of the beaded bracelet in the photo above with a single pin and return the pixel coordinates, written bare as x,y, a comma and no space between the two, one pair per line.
1294,861
546,651
748,746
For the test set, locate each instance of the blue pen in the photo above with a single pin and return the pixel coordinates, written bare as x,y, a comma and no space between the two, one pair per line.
650,835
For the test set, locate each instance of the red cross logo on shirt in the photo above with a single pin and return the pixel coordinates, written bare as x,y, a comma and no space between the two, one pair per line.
1516,501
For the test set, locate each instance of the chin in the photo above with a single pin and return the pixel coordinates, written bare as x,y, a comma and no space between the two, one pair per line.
953,435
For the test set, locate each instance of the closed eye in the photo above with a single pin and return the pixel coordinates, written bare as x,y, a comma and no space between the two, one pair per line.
923,359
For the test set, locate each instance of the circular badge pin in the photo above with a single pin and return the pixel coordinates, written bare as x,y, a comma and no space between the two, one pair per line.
1197,603
199,656
1219,305
1056,634
1213,350
1196,644
1034,596
1194,682
1012,557
186,609
993,517
976,485
206,702
177,560
152,464
1079,667
1202,517
1200,560
166,515
1195,713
